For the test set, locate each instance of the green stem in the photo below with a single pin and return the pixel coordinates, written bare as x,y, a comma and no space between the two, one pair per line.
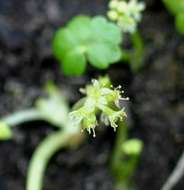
21,117
117,154
122,165
135,55
41,157
138,51
125,55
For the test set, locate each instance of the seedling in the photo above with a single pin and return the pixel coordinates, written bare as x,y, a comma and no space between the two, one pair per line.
100,99
96,40
176,7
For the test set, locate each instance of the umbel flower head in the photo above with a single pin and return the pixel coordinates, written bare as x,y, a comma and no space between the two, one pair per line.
126,14
100,98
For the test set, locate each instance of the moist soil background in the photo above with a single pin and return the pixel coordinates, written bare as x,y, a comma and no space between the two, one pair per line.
156,108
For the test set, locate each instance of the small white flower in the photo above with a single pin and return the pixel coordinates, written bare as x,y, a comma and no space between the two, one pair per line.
126,14
101,100
122,7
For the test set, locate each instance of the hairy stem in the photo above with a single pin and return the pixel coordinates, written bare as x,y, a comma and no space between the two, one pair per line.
41,157
22,116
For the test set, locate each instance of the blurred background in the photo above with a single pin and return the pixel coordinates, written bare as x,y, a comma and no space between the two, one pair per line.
156,108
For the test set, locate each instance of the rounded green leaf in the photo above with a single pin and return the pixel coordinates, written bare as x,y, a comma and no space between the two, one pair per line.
180,23
106,31
95,38
115,54
74,63
63,41
80,27
5,131
101,55
98,55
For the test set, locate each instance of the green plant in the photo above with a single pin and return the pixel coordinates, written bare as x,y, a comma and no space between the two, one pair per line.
96,40
53,109
127,15
176,7
100,98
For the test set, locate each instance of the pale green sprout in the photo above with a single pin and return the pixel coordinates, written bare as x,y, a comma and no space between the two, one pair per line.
126,14
132,147
101,98
5,131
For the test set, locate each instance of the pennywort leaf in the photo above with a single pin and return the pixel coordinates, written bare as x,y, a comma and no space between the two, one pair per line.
85,39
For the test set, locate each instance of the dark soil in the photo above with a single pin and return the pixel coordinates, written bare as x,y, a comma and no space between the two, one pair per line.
156,92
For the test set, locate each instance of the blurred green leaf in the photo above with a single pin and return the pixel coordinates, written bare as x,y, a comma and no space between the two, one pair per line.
101,55
74,63
80,26
64,41
105,31
85,39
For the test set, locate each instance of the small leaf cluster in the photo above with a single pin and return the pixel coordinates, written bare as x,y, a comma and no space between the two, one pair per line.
100,98
176,7
87,40
126,14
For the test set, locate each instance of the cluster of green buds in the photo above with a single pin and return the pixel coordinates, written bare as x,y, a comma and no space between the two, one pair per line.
126,14
100,99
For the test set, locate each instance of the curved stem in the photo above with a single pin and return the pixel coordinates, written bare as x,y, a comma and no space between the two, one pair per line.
42,155
176,175
22,116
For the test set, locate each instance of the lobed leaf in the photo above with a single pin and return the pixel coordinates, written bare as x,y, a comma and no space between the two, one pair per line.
74,63
85,39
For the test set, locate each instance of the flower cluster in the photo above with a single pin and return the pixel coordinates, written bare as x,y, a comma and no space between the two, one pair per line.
126,14
101,98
